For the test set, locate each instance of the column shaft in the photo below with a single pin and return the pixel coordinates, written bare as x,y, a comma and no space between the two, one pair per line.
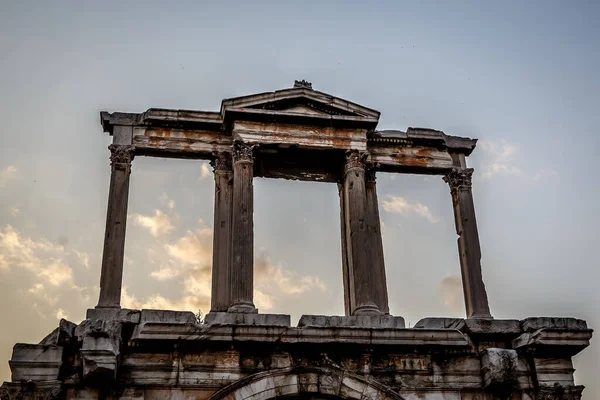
476,301
376,242
220,296
242,244
111,276
348,287
361,279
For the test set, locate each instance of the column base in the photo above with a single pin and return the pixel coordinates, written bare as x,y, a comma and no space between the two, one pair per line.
243,307
480,316
367,309
100,306
230,318
366,321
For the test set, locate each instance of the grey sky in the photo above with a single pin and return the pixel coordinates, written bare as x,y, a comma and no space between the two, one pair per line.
520,76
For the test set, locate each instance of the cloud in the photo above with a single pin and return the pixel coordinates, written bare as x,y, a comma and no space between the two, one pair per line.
15,212
287,282
39,275
165,273
400,205
84,257
165,200
500,156
60,314
27,253
6,174
204,170
57,274
158,225
450,289
543,174
186,303
193,248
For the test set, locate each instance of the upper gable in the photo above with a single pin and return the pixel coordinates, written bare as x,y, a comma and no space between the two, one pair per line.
298,101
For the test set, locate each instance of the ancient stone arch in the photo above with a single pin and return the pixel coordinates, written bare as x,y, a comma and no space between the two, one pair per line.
314,381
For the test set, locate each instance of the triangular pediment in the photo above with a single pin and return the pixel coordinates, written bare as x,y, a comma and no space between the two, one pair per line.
299,101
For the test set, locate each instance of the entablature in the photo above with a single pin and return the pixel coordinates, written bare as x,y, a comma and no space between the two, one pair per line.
299,118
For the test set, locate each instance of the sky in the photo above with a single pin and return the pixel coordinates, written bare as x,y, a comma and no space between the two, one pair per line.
521,76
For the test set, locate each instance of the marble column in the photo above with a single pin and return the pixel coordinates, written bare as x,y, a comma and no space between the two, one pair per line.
348,288
111,276
476,301
223,171
375,247
361,285
242,237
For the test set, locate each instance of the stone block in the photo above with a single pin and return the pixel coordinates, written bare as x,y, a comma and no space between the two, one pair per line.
492,326
100,349
556,343
228,318
115,314
358,321
61,335
555,323
35,362
440,323
168,316
475,326
499,367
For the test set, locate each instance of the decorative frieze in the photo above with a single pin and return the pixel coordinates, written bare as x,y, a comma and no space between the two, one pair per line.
558,392
29,390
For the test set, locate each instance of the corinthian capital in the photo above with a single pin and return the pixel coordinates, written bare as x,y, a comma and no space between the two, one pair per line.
221,161
121,154
355,159
459,178
243,152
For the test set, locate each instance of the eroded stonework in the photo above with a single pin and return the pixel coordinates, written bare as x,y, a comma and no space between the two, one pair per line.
237,353
154,354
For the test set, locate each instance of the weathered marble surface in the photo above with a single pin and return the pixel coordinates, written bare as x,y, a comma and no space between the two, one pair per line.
155,354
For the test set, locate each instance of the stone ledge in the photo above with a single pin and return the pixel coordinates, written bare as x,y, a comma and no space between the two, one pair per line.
116,314
228,318
173,317
474,326
35,362
532,324
362,321
557,342
451,339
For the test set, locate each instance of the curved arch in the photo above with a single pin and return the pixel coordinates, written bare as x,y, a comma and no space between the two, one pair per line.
296,381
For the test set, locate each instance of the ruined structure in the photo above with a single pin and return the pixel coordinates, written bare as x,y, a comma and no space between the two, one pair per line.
238,353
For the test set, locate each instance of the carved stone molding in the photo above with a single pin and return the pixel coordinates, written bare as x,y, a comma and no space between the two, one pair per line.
221,162
459,178
355,160
303,84
243,152
29,390
558,392
121,154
